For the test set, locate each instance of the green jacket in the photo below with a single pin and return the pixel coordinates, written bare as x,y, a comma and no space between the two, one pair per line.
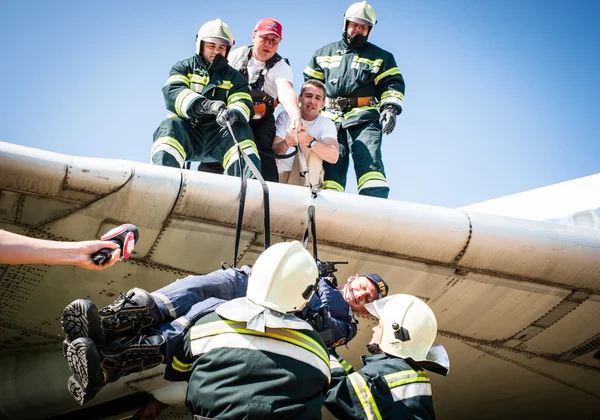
357,72
237,373
190,80
385,388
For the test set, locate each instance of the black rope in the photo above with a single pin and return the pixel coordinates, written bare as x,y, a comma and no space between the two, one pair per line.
311,225
238,225
266,208
276,156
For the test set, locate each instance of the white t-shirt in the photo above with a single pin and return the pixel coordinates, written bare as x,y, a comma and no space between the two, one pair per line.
279,72
320,128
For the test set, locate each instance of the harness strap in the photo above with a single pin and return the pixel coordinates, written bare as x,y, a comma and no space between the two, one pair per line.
347,103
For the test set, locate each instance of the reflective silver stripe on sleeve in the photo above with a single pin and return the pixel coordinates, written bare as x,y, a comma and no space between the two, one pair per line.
167,303
411,390
256,342
182,321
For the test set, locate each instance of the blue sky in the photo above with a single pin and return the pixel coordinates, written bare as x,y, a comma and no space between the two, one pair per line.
502,95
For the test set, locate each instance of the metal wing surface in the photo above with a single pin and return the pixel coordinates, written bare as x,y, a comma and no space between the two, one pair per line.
517,301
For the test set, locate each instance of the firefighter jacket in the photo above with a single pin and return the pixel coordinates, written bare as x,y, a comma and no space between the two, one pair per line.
386,387
191,80
240,373
331,303
352,72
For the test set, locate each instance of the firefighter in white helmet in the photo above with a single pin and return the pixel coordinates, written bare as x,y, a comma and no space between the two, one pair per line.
393,383
252,358
204,92
365,93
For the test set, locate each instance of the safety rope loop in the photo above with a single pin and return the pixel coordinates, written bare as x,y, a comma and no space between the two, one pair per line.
303,167
266,208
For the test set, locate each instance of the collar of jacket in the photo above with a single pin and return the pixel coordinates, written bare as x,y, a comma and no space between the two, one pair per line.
219,63
357,41
369,358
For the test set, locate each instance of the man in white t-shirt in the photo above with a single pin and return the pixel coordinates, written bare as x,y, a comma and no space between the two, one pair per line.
270,78
317,137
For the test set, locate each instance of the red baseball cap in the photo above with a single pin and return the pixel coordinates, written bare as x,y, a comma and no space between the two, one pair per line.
268,26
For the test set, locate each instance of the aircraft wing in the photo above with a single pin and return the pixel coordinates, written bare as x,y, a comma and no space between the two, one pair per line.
517,301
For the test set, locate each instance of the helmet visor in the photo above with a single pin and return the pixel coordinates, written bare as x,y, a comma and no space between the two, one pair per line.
217,41
359,20
376,308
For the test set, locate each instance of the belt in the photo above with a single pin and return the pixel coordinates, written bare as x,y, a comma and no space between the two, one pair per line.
264,108
346,104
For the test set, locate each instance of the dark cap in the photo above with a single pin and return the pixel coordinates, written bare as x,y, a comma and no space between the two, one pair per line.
381,285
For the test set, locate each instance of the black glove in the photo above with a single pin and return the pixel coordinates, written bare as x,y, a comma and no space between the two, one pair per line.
230,114
388,118
208,106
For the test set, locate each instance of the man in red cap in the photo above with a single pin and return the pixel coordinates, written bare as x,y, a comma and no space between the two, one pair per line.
270,78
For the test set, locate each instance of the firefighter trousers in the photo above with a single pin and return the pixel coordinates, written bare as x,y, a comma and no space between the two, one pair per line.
264,133
177,140
185,301
363,141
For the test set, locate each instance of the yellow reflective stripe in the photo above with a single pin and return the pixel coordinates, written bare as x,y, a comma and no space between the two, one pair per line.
226,84
389,72
240,96
364,395
370,176
347,366
372,63
180,366
358,110
331,115
183,100
406,377
392,94
315,74
178,78
201,80
233,150
283,334
328,58
243,108
332,185
171,142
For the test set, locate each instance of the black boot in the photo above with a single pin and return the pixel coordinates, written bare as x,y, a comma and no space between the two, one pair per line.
80,319
93,368
131,312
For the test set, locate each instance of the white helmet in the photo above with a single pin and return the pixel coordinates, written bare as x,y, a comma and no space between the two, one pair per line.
409,326
283,277
360,12
215,31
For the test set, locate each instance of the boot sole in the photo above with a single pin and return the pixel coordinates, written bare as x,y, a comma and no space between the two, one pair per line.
84,361
80,319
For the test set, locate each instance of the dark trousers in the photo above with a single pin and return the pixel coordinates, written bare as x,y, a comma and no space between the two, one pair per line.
363,141
177,140
264,133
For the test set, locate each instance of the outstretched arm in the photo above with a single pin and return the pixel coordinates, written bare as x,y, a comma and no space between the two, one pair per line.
18,249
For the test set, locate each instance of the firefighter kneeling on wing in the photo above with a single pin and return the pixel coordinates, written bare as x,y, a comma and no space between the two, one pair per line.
252,358
393,384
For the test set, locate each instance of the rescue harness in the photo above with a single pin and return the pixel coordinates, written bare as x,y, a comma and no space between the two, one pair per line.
264,104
